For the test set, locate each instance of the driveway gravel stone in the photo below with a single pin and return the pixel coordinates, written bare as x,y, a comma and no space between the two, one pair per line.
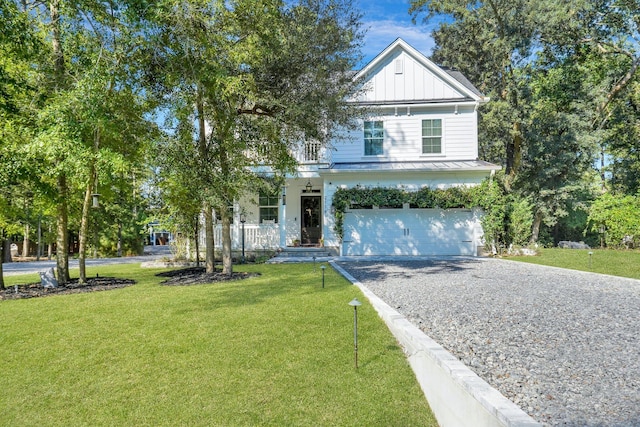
561,344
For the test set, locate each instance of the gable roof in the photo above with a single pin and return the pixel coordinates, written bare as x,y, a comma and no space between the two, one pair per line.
458,87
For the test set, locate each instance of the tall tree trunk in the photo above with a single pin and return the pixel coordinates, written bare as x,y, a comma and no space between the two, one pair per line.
603,176
535,228
25,241
62,236
514,151
119,244
56,42
49,245
39,243
62,239
210,262
84,227
227,262
2,240
6,244
197,240
208,211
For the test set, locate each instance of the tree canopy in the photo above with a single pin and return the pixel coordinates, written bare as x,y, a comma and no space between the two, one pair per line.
563,79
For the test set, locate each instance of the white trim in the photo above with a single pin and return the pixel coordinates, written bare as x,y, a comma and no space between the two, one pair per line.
425,62
443,151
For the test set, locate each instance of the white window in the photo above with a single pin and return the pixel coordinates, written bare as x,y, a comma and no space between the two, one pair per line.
432,136
268,208
373,138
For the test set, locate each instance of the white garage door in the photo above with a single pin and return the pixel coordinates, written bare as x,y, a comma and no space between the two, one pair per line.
411,232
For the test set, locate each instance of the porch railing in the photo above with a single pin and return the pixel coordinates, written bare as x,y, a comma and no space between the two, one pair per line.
311,152
256,237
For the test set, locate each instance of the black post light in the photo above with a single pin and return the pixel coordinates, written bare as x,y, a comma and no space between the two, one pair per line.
590,256
243,219
322,267
355,304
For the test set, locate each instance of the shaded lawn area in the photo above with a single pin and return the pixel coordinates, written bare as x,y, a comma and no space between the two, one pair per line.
622,263
270,350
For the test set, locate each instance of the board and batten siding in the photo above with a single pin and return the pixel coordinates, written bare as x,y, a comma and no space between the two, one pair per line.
402,78
403,137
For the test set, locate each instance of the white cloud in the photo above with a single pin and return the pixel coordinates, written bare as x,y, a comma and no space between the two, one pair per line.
381,33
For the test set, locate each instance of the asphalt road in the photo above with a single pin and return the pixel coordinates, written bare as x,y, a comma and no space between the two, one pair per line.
19,267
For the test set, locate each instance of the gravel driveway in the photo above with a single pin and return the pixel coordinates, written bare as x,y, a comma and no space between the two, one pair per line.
561,344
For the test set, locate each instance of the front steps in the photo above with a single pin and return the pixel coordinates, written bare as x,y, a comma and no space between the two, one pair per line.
301,254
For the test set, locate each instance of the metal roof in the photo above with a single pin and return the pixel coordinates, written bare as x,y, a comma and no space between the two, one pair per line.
463,80
419,166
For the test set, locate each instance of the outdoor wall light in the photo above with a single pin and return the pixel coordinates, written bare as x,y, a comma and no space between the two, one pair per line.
355,304
308,187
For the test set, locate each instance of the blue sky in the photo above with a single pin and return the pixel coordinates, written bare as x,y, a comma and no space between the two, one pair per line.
385,21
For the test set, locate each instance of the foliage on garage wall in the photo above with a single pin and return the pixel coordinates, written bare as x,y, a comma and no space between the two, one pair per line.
487,196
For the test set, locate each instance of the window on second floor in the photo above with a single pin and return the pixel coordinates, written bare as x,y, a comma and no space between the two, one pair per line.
432,136
373,138
268,207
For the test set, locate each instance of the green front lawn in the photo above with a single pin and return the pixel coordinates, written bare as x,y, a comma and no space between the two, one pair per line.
623,263
271,350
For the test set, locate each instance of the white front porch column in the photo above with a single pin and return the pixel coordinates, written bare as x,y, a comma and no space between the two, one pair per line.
282,218
235,227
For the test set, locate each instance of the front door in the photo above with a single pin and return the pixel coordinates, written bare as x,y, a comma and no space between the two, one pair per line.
310,233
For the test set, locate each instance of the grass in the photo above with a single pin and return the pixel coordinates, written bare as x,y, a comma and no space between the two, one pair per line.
271,350
623,263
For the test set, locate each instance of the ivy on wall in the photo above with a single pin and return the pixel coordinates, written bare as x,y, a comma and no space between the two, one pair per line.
485,196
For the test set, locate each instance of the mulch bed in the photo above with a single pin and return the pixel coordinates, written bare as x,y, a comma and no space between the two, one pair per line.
199,276
181,277
32,290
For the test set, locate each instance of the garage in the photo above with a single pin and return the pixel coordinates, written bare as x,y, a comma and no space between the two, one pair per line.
411,232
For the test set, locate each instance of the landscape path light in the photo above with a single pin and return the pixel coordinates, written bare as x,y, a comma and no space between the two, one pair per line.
322,267
355,304
590,255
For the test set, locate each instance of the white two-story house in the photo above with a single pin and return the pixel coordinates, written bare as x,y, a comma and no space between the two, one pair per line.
420,130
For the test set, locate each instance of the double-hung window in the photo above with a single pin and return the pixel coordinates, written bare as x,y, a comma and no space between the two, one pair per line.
373,138
432,136
268,207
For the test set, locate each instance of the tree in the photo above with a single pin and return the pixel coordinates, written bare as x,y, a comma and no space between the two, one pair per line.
490,42
87,109
17,43
561,78
264,78
619,217
560,149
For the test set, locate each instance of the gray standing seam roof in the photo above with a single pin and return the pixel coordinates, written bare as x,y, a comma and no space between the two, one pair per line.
463,80
444,166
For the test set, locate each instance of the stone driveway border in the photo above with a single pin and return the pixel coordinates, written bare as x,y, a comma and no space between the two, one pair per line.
562,345
457,396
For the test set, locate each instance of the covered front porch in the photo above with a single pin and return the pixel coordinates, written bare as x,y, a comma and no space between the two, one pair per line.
294,217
